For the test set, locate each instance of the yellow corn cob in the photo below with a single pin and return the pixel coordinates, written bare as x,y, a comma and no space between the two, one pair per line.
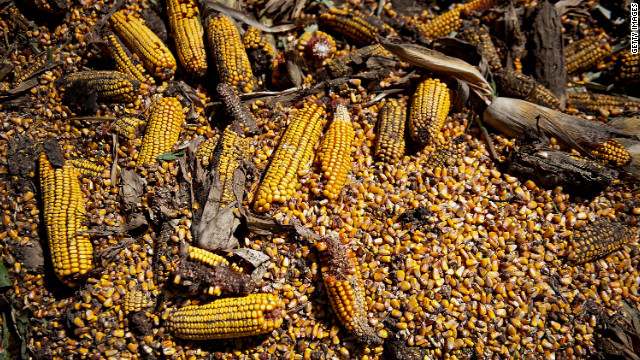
390,131
448,154
234,148
136,300
480,38
123,59
354,26
30,69
229,54
584,54
598,240
86,167
205,150
628,69
128,127
429,109
163,129
64,217
293,155
253,40
521,86
316,48
592,102
208,258
253,314
345,288
450,21
154,54
335,151
612,151
188,34
110,85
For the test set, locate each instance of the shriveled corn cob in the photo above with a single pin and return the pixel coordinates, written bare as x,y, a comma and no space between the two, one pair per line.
519,85
136,300
450,21
353,25
390,131
232,149
613,151
110,85
154,54
128,127
210,259
86,167
205,150
253,314
628,68
229,54
64,217
163,129
598,240
343,282
188,34
430,106
448,154
592,102
480,38
292,156
335,151
584,54
254,40
30,69
124,60
241,117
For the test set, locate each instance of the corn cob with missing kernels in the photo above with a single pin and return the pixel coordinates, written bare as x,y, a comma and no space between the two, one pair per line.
449,154
450,21
30,69
480,38
390,131
592,102
188,34
598,240
232,149
253,314
584,54
205,150
64,219
128,127
259,49
292,156
163,129
344,286
613,151
628,68
136,300
521,86
86,167
208,258
154,54
335,151
430,106
109,85
124,60
356,27
229,54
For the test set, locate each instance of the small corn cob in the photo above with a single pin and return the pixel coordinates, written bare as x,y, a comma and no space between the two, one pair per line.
163,129
518,85
480,38
254,40
598,240
124,60
390,131
110,85
429,109
205,150
353,26
335,151
253,314
450,21
30,69
229,54
86,167
136,300
154,54
210,259
628,69
345,288
188,34
241,118
613,151
316,47
584,54
64,217
592,102
292,156
232,149
128,127
448,154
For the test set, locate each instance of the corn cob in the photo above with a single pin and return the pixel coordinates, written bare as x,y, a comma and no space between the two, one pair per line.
188,34
480,38
613,151
353,26
390,131
598,240
110,85
30,69
124,60
335,151
345,288
154,54
136,300
592,102
448,154
128,127
229,54
429,109
253,314
584,54
64,216
205,150
210,259
628,68
292,156
316,48
450,21
86,167
232,149
340,66
241,118
518,85
254,40
163,129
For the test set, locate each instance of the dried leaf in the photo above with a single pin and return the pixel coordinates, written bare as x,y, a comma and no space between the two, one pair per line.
235,14
259,260
132,188
216,233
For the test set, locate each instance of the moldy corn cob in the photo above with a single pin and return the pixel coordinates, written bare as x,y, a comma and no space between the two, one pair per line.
480,38
258,49
448,154
253,314
229,54
64,219
124,60
205,150
163,129
86,167
110,85
154,54
232,149
136,300
593,102
598,240
430,106
128,127
360,29
521,86
335,151
613,151
450,21
584,54
390,130
188,34
30,69
628,68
